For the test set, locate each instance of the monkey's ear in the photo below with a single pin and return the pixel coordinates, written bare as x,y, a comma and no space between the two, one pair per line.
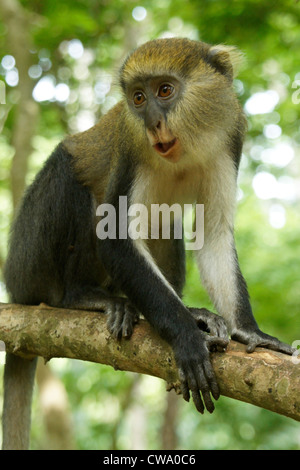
226,59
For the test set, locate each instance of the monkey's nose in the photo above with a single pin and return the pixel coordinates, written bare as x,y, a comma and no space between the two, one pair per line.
153,118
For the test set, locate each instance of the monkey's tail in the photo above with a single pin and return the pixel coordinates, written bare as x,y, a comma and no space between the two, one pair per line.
18,387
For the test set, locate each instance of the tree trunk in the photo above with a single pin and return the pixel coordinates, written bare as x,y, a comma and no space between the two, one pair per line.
19,44
54,407
264,378
168,430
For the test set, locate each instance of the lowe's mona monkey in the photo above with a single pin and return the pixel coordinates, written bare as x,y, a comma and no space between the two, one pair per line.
175,137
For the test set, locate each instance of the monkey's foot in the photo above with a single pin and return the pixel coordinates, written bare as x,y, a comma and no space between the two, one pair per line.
210,322
121,318
257,338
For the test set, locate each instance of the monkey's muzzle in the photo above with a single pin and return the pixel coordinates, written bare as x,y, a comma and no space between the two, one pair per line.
165,148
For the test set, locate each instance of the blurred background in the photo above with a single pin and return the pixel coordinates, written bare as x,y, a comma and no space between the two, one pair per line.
58,74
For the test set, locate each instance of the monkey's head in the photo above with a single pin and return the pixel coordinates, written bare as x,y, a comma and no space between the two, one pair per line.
181,92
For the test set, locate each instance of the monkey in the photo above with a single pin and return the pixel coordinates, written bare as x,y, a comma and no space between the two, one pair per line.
175,136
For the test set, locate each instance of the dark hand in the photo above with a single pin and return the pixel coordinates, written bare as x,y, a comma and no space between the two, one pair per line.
210,322
121,318
257,338
195,370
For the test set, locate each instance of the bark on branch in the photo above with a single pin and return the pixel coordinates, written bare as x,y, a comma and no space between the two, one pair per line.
264,378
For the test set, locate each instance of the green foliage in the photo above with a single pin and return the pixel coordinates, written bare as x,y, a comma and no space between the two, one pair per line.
102,400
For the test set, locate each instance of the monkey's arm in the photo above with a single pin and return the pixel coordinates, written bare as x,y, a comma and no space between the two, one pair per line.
221,274
169,255
133,269
167,314
232,299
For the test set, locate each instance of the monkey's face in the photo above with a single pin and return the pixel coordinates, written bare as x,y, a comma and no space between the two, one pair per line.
180,92
152,99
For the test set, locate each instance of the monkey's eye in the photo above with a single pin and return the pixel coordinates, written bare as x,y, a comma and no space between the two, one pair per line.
139,98
165,90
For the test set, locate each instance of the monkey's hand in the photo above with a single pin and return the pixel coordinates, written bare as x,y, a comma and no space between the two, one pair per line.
121,318
210,322
195,370
256,338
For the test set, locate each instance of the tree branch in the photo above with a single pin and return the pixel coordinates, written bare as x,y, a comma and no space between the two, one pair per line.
264,378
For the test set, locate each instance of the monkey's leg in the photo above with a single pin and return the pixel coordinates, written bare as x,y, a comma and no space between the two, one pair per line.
121,315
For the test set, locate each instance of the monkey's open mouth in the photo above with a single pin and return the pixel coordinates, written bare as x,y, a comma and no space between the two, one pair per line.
164,148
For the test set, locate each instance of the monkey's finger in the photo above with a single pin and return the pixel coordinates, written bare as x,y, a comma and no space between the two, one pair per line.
195,384
217,327
197,400
189,383
211,379
130,319
287,349
277,345
251,347
215,343
111,323
184,385
115,320
127,328
118,325
222,331
204,387
274,345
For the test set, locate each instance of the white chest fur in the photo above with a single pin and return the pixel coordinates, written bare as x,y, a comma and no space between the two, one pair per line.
166,187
